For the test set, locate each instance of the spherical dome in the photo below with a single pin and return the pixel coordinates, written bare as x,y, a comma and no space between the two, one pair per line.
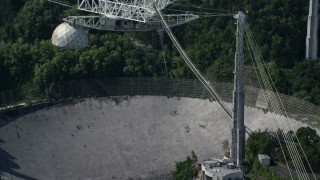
70,37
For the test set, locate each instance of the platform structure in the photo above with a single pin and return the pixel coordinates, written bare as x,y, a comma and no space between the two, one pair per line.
114,15
125,25
136,10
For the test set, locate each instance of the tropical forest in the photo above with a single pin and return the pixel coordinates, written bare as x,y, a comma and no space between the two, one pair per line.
29,62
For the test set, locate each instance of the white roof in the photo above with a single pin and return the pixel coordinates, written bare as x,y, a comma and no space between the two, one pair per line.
263,156
70,37
220,170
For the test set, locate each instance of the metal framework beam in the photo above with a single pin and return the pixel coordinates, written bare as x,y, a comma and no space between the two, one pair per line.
154,23
136,10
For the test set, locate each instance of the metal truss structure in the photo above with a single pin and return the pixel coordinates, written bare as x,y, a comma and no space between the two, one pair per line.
115,15
136,10
104,23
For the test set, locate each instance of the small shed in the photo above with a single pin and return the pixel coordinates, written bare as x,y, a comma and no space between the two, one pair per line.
264,159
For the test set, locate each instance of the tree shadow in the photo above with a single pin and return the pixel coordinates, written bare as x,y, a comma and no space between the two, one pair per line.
8,166
10,115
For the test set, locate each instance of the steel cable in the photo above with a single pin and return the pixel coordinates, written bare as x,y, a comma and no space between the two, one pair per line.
277,107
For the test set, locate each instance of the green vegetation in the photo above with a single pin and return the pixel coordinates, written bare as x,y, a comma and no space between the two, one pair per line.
186,170
259,143
225,146
310,142
259,171
29,61
262,143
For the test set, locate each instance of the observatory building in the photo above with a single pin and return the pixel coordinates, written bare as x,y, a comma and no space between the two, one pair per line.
70,37
264,159
220,170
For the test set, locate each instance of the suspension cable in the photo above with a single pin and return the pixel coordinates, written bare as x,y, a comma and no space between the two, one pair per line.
265,98
277,107
201,13
250,42
193,68
60,3
290,124
188,61
212,9
160,32
286,114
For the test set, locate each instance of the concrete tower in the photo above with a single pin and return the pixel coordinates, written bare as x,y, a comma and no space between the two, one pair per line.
312,31
238,130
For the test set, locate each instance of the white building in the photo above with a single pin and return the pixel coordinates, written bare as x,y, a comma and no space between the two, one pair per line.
220,170
264,159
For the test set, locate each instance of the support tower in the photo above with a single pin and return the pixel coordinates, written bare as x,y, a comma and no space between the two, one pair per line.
238,130
312,31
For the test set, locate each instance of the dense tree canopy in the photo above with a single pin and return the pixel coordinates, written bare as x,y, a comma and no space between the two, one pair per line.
28,60
187,169
310,142
259,143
